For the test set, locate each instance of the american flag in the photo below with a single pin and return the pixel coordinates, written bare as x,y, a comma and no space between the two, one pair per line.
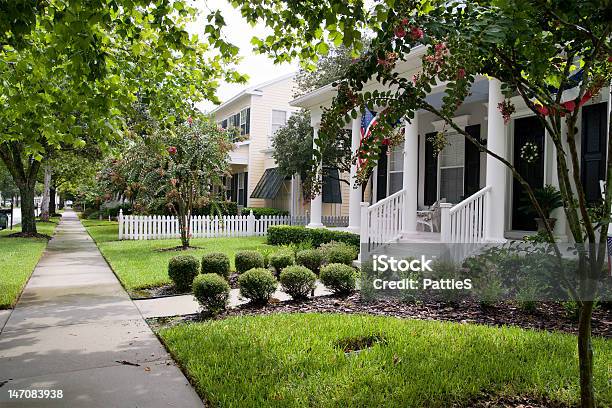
368,121
609,242
569,95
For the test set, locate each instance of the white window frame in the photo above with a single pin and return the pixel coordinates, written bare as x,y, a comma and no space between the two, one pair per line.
440,168
272,131
242,120
389,165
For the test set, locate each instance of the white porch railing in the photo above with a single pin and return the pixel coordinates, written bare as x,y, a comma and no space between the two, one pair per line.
145,227
382,222
465,222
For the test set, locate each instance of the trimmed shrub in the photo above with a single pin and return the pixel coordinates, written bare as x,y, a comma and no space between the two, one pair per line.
298,281
211,291
182,269
259,212
339,278
216,262
257,284
282,259
287,234
310,258
214,208
338,252
245,260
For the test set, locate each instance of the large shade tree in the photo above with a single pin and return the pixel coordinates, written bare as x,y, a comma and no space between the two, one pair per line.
533,47
71,71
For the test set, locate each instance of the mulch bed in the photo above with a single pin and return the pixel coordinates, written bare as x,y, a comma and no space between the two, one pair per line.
491,401
548,316
29,235
177,248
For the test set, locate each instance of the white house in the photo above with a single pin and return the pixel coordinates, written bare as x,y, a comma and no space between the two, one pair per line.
259,111
482,198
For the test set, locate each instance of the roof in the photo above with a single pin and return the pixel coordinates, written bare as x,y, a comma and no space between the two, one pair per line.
253,90
326,92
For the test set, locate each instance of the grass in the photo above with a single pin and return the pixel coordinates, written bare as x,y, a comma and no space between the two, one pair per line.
293,360
140,264
18,257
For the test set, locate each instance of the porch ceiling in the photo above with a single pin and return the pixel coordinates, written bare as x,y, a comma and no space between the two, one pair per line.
478,93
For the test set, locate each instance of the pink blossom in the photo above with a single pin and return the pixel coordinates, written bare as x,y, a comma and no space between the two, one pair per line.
172,150
416,33
439,47
190,120
400,32
461,73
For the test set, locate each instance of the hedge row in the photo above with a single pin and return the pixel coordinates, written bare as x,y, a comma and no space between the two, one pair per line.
259,212
286,235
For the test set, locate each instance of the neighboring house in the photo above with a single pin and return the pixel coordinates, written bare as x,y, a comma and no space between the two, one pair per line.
259,111
482,198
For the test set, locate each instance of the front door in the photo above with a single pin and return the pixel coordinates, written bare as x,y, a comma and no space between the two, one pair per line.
527,131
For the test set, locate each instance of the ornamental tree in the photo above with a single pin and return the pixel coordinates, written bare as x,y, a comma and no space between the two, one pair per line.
179,167
533,47
71,73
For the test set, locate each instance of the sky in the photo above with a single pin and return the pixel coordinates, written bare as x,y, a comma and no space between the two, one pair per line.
258,67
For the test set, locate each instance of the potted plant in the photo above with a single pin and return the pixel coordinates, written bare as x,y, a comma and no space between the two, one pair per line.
550,199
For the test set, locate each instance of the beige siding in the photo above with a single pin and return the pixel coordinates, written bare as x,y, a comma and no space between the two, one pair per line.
274,96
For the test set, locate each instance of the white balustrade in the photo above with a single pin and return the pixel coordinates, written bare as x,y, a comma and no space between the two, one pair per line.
382,222
465,222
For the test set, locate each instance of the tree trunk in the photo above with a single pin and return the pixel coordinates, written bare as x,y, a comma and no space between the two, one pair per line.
44,206
585,355
52,208
28,217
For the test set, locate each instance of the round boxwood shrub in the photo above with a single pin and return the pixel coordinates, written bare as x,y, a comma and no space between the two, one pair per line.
298,281
212,292
339,278
216,262
338,252
282,259
310,258
182,269
245,260
257,284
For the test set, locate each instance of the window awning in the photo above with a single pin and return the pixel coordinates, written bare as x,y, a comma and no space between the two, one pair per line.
331,187
268,185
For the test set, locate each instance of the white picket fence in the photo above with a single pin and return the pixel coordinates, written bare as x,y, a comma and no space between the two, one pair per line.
146,227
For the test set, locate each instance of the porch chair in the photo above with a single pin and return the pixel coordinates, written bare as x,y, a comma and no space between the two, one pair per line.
431,218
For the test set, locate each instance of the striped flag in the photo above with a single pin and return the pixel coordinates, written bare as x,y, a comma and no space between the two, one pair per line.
569,95
368,121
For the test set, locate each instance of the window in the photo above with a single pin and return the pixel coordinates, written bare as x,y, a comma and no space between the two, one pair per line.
451,166
279,119
241,189
244,119
224,123
396,169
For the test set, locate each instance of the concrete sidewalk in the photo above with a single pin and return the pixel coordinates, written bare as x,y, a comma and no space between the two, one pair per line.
76,330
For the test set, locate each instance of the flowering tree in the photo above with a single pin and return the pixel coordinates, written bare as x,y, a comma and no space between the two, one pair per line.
535,48
179,167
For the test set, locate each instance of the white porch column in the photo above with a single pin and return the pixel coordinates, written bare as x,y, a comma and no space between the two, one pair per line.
316,202
496,171
355,191
410,176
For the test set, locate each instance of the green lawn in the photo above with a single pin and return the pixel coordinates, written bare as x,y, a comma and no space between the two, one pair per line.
140,264
291,360
18,257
